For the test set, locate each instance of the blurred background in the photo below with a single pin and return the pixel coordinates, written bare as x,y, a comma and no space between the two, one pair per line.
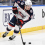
10,2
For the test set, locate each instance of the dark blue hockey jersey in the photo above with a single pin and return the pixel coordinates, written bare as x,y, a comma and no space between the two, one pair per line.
22,5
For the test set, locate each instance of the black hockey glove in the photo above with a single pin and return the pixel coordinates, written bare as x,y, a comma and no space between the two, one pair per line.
14,9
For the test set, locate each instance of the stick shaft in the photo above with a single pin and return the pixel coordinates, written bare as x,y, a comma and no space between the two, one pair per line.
21,37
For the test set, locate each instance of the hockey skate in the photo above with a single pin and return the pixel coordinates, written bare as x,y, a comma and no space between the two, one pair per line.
5,34
12,37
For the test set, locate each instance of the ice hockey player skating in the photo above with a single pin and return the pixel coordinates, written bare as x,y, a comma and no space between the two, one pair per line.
23,13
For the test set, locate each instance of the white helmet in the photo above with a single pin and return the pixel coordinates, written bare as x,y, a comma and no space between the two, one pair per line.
28,2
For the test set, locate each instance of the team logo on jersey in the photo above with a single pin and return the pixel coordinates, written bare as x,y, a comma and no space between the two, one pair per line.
22,3
18,1
31,11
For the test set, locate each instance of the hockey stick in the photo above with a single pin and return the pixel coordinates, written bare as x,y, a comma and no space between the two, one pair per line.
22,38
21,34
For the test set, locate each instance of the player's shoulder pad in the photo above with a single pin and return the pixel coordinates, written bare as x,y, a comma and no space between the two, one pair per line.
31,10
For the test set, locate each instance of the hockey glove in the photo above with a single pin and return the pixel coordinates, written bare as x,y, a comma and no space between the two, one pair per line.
14,9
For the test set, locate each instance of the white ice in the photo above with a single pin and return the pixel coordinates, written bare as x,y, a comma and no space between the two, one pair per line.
36,38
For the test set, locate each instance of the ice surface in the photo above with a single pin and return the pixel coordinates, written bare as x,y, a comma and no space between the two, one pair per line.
36,38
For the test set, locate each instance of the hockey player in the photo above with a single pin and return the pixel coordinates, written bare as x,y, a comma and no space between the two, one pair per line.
22,14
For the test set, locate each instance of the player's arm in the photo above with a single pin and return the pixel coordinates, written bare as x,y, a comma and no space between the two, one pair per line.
31,15
14,8
26,18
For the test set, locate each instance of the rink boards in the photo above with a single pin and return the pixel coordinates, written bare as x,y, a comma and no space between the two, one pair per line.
37,23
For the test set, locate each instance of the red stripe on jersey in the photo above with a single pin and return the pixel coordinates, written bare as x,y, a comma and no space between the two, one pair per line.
11,25
21,21
14,15
21,25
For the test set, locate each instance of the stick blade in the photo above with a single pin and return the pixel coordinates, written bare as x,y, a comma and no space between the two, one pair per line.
24,43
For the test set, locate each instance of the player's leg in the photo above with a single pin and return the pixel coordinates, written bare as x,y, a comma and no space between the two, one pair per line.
8,29
16,31
11,24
